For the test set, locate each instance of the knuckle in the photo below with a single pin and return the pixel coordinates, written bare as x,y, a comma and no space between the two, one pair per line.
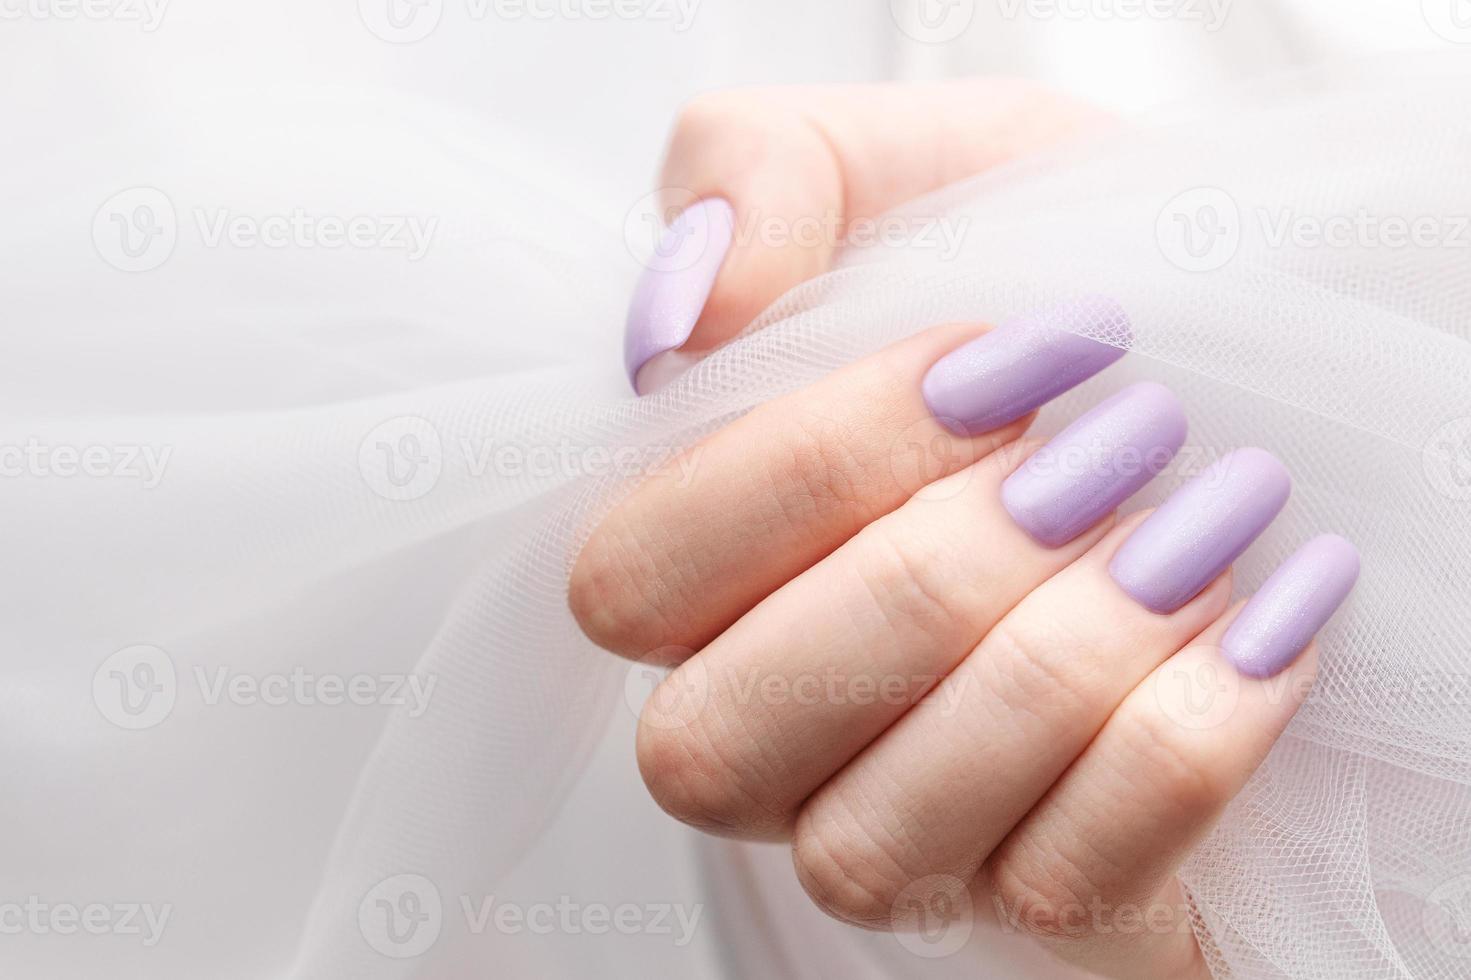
710,114
721,139
825,466
743,118
692,781
1042,895
843,869
910,578
1041,665
1164,757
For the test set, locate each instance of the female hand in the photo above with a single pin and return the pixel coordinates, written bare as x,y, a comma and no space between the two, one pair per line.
956,679
761,187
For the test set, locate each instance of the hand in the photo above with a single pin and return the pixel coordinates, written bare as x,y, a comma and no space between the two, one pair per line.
763,186
958,672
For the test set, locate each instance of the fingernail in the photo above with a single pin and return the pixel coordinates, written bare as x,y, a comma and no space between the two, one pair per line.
673,290
1022,364
1201,529
1096,463
1291,606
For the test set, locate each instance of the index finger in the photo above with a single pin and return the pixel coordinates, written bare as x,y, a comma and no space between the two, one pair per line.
778,490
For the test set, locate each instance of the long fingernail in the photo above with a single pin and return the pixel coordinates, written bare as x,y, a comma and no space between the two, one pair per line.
1022,364
673,290
1096,463
1291,606
1201,529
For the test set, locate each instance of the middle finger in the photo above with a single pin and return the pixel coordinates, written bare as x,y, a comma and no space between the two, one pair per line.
781,701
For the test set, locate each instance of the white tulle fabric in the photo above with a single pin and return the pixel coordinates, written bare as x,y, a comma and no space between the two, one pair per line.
283,382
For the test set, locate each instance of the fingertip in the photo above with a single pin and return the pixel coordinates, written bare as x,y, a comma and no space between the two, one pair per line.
661,370
676,284
1292,606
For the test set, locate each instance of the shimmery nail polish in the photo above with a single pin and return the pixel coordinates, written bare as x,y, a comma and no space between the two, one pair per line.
1291,606
1022,364
1201,529
1096,463
671,294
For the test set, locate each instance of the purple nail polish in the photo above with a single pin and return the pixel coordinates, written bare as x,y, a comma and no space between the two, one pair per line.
1201,529
1096,463
1291,606
673,290
1022,364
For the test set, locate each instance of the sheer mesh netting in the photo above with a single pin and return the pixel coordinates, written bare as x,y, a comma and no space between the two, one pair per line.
1293,261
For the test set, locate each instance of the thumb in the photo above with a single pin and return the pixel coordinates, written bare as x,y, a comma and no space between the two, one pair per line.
761,187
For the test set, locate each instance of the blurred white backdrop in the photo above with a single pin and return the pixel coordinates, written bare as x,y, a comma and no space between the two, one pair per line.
580,105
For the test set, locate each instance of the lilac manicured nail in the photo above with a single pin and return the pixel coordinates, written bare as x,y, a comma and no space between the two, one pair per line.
1201,529
1096,463
673,290
1291,606
1022,364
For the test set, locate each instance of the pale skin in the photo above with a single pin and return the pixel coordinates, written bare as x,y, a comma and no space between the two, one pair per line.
876,664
